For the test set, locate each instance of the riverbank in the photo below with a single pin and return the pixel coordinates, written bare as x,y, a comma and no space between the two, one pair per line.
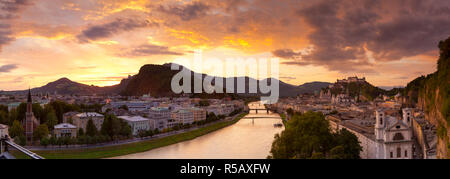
125,149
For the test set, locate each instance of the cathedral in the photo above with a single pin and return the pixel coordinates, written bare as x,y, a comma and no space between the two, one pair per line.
394,138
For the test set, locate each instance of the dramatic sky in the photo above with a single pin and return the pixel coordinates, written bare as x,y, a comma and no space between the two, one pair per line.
102,41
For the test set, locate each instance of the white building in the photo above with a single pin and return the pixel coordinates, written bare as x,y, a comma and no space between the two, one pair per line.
65,130
394,136
3,130
160,116
81,119
222,109
391,138
183,116
137,123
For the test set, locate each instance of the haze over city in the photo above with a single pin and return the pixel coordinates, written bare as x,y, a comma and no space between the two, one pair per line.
100,42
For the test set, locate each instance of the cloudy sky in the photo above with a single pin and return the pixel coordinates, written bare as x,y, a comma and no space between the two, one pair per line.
102,41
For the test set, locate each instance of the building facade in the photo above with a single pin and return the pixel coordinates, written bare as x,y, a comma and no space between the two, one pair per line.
65,130
3,130
182,116
137,123
394,136
198,113
160,117
80,120
390,138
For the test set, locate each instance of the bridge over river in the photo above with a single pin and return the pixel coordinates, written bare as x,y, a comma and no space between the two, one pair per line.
249,138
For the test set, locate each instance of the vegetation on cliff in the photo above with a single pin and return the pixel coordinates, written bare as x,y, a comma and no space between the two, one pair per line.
431,92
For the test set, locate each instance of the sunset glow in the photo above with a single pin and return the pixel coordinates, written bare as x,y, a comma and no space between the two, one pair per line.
99,42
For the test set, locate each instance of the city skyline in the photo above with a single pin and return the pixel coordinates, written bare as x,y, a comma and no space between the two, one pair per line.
101,42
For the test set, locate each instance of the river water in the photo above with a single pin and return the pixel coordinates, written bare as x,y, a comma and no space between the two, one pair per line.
246,139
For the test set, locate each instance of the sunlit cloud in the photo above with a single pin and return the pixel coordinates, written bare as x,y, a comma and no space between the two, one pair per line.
99,41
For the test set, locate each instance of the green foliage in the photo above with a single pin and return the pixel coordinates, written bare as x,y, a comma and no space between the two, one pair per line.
21,140
290,111
124,107
337,152
12,116
16,129
52,120
317,155
4,117
350,144
91,130
40,132
113,127
45,141
308,135
80,132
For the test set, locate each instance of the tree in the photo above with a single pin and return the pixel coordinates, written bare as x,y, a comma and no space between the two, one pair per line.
290,112
45,141
16,129
91,130
124,107
40,132
4,117
52,120
350,144
12,116
308,136
125,129
318,155
80,132
337,152
21,140
113,126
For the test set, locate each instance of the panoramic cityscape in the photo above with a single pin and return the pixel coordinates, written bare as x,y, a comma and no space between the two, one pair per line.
229,79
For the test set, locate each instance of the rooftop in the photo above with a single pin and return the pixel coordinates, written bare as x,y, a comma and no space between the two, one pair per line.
133,118
65,126
89,114
160,109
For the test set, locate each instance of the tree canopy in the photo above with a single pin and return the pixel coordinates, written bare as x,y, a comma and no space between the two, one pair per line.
307,136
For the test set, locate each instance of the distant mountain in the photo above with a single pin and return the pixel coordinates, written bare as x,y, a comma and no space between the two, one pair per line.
66,86
156,81
313,87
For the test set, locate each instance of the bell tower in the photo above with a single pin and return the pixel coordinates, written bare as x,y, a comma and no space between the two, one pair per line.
380,124
407,116
29,116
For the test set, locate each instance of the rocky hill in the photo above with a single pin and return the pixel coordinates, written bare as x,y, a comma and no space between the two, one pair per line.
431,93
156,80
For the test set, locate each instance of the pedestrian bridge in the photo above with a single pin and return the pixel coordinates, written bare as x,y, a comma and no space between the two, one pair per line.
5,143
258,117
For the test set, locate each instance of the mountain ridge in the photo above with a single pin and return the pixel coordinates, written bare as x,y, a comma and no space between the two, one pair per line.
155,79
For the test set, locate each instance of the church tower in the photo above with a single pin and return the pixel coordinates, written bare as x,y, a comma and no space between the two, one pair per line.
380,124
29,119
407,116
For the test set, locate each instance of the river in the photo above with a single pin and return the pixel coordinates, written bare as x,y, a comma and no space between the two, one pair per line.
246,139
